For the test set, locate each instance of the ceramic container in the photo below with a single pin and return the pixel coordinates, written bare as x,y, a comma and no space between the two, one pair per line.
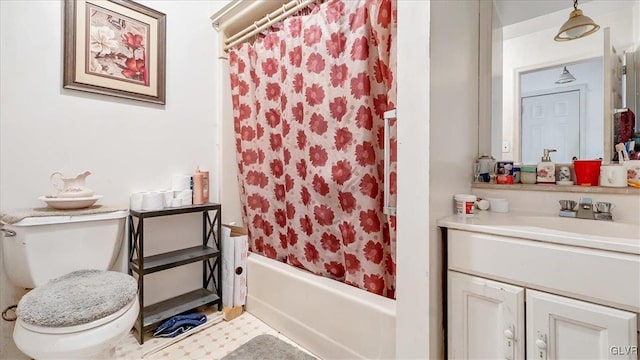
613,176
464,204
498,205
633,170
70,187
528,174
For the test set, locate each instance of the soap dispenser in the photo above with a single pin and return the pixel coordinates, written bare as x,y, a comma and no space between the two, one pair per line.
546,173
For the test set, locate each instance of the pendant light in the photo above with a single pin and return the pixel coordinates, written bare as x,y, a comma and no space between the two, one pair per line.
577,26
565,77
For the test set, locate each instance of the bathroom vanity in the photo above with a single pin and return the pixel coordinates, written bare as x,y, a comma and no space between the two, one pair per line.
527,286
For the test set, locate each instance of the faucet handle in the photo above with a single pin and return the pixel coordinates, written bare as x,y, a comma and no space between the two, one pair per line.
604,207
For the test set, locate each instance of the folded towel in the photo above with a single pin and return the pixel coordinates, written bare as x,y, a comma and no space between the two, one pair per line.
15,215
179,324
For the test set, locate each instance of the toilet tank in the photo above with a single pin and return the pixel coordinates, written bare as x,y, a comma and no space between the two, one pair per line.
47,247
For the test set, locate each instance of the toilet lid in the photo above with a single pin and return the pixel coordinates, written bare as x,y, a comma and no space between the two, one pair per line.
77,298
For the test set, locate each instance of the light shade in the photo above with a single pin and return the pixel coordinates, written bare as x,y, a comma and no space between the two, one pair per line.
576,27
565,77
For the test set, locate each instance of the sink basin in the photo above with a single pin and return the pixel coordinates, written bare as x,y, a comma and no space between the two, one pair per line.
607,229
598,234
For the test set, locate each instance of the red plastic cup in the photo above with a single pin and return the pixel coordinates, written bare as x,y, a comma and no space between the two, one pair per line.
587,172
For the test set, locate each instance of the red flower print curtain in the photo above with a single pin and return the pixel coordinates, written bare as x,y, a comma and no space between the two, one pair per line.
308,104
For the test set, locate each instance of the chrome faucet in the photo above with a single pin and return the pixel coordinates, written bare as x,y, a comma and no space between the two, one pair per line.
586,209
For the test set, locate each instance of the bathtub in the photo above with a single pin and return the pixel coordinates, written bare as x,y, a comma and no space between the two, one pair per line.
331,319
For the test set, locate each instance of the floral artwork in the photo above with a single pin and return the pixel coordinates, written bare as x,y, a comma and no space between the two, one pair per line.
117,45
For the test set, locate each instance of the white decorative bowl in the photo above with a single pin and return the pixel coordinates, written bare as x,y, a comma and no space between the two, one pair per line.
70,203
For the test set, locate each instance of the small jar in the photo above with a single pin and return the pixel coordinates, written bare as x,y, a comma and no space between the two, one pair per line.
464,204
528,174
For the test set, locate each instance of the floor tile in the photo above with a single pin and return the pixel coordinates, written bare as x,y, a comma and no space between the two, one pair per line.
211,343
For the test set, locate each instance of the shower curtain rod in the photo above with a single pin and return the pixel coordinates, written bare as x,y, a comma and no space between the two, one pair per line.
286,10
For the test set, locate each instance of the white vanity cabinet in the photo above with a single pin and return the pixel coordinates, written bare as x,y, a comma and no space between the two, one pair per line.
512,298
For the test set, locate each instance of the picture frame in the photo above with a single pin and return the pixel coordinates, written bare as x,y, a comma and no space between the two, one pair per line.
116,48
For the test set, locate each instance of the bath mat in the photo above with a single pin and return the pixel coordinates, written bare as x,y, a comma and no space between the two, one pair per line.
267,347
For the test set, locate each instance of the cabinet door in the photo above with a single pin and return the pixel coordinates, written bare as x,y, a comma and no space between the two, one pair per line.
563,328
485,319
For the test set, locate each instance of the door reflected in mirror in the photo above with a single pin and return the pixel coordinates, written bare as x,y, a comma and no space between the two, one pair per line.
562,110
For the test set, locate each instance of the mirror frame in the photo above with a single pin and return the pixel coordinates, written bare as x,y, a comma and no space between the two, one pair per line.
485,115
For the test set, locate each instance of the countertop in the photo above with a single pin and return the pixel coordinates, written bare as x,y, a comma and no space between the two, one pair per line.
595,234
558,188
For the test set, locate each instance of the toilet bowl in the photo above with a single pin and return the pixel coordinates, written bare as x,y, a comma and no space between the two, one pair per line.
77,309
95,340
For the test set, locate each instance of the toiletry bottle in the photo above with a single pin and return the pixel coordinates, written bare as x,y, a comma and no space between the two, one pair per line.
205,184
516,173
546,173
197,188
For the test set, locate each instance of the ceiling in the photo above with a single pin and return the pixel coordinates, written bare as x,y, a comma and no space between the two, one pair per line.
515,11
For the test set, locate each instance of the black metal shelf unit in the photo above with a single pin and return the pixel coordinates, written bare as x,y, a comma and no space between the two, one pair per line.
209,253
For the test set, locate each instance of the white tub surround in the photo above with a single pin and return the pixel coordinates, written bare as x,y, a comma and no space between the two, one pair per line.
329,318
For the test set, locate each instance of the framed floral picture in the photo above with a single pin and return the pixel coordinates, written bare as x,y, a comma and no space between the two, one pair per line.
115,47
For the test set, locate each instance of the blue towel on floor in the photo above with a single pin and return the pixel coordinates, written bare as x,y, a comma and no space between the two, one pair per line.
179,324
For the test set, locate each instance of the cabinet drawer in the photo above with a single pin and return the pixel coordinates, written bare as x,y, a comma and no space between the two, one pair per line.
599,276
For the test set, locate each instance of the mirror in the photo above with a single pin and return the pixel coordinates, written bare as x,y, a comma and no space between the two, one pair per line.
526,62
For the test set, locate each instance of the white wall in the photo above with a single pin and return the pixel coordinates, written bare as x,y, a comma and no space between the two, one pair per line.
230,194
438,139
588,73
453,129
414,335
529,45
128,145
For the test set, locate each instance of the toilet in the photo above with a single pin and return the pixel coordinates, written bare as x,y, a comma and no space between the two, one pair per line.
77,308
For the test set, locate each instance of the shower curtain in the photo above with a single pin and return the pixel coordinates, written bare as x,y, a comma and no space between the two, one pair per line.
308,101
